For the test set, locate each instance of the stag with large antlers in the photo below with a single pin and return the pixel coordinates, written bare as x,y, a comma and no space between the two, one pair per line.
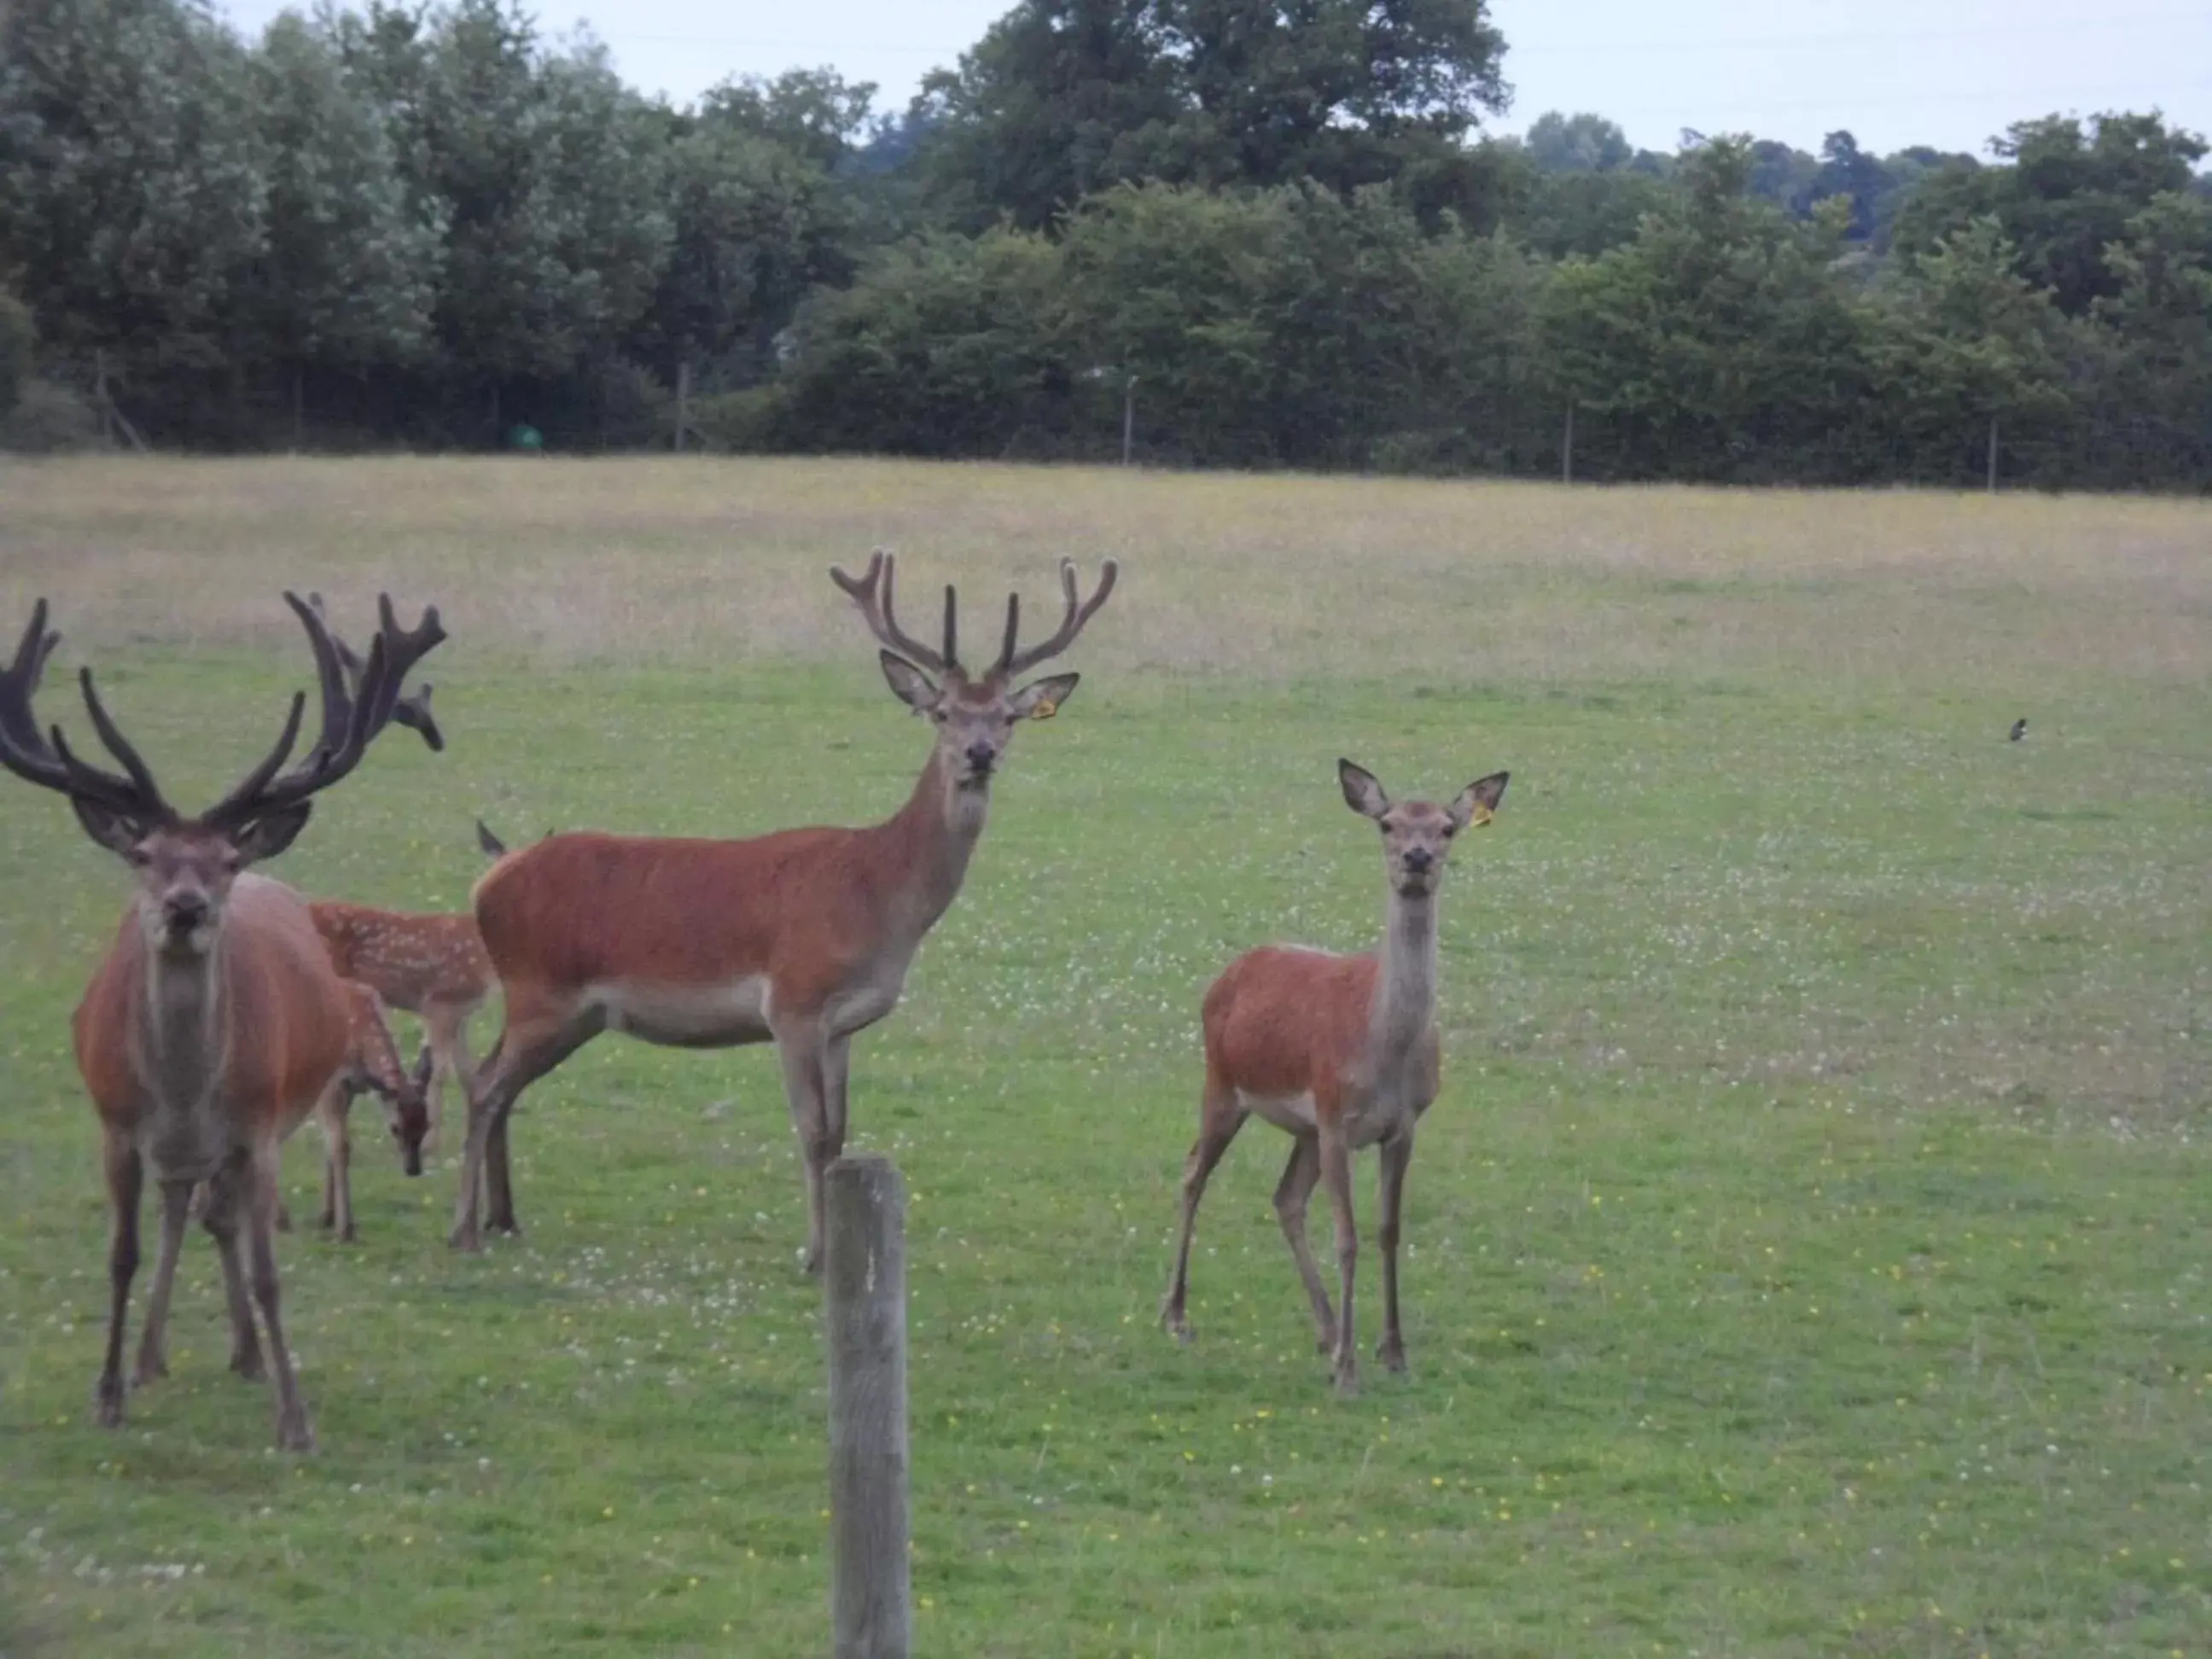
215,1021
800,937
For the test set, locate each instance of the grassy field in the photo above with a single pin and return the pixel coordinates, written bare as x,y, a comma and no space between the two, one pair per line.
1811,1252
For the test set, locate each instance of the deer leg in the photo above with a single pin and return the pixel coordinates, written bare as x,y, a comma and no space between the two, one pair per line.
154,1340
331,1114
800,1045
293,1432
219,1215
1299,1176
126,1182
449,1030
1397,1155
1336,1175
533,1043
1218,1120
499,1176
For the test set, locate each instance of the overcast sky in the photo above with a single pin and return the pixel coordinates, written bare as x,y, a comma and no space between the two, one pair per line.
1950,73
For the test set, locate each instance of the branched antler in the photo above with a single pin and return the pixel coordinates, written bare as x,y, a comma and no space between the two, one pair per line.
412,710
873,593
46,760
352,715
1079,612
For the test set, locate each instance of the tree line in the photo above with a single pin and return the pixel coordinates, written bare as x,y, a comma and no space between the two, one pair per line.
1233,233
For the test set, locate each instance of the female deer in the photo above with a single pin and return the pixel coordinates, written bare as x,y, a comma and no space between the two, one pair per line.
1342,1053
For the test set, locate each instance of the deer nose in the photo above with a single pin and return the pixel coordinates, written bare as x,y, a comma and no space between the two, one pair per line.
1418,858
186,909
982,757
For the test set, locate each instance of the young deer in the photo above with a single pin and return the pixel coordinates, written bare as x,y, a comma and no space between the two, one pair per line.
431,966
371,1065
1342,1053
801,938
212,1026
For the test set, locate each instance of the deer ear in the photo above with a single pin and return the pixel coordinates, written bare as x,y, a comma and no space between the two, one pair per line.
112,829
1478,800
1362,792
1040,700
266,837
908,684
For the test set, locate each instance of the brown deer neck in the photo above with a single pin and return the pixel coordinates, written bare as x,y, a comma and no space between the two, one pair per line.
182,1034
1406,988
931,839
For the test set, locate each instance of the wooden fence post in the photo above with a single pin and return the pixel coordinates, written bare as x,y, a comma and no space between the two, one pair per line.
1567,448
1128,418
1993,454
864,1287
682,402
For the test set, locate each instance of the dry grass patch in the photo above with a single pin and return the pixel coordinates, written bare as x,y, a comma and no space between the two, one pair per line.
700,559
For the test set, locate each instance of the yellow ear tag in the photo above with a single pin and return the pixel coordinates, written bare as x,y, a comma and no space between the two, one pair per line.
1045,710
1482,815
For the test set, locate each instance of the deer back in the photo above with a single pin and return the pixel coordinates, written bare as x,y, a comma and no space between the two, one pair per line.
585,909
409,960
1282,1021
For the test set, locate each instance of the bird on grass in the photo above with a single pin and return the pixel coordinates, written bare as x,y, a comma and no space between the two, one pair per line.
2019,729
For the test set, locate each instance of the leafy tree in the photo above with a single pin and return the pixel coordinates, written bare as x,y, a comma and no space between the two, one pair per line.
817,114
2152,372
17,339
1063,97
602,170
1847,171
350,270
1961,339
1721,342
2069,193
755,227
1576,143
132,191
944,346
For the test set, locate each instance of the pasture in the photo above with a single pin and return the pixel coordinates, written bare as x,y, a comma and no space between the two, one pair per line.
1810,1252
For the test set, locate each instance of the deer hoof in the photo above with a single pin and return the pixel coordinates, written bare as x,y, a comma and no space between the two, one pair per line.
1392,1354
1347,1383
294,1434
465,1238
152,1368
107,1402
246,1362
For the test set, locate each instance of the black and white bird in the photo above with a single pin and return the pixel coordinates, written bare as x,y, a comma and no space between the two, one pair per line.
2019,729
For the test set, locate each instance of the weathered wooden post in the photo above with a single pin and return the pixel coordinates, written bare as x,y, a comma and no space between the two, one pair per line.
1993,455
1567,448
864,1285
1128,419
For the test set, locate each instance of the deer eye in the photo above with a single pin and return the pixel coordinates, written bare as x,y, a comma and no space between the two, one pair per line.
1450,829
138,858
937,715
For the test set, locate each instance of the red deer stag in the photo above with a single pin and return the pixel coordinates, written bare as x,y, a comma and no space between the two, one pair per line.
1341,1052
801,938
372,1066
212,1026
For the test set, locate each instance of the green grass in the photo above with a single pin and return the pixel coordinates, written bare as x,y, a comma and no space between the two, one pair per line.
1808,1253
